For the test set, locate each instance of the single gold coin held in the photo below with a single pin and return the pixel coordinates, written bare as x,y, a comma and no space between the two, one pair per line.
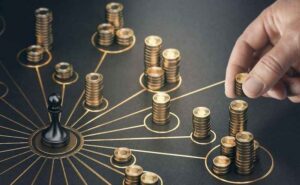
241,77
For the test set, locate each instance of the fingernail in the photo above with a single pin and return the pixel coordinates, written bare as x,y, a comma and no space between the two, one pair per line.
253,87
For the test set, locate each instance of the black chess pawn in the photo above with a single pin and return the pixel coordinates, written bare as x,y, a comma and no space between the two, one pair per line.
55,135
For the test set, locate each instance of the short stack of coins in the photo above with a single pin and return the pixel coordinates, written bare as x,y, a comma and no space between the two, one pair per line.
43,27
152,51
161,108
238,116
171,64
244,153
35,53
239,80
114,15
64,71
122,155
228,145
106,34
155,78
125,36
221,165
133,175
256,150
149,178
201,122
93,89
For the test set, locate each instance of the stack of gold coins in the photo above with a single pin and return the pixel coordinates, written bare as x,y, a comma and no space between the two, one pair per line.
106,34
161,108
221,165
122,155
255,151
171,64
201,122
114,14
244,153
238,116
93,89
155,78
63,70
239,80
43,27
133,174
228,146
149,178
152,51
125,36
35,53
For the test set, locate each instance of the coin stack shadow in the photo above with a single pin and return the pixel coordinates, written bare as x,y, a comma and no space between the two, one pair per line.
161,108
125,36
171,64
43,28
133,174
244,153
228,146
152,52
93,89
221,165
238,116
106,34
122,155
114,15
155,78
64,71
201,122
149,178
35,53
239,80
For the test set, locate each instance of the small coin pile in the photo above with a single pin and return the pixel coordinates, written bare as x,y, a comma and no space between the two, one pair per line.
161,108
93,89
171,64
149,178
114,14
64,71
228,145
155,78
34,53
201,122
239,80
244,153
106,34
221,165
122,155
125,36
133,175
152,51
43,28
238,116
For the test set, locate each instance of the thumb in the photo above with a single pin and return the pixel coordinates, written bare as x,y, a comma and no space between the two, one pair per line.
272,66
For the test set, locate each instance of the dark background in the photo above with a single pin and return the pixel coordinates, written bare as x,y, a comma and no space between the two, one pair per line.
203,30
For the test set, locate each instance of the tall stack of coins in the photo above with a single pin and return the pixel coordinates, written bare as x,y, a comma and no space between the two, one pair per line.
221,165
43,27
106,34
155,78
35,53
255,151
122,155
171,64
114,14
152,51
239,80
149,178
201,122
228,146
125,36
244,153
93,89
238,116
63,70
161,108
133,174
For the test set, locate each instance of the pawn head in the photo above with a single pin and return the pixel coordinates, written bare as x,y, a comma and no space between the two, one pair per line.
54,102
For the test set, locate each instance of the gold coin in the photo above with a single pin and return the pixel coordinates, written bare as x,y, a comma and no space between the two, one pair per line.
122,153
134,170
201,112
114,7
155,71
153,41
221,161
228,141
241,77
149,178
238,105
161,98
244,136
125,33
94,77
171,54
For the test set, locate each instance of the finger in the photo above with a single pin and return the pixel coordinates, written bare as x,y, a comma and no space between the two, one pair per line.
253,39
293,86
271,67
278,91
294,99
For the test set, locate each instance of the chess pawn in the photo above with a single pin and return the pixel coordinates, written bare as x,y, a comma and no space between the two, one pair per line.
55,135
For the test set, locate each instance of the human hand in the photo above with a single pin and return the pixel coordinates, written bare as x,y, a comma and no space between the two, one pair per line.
269,49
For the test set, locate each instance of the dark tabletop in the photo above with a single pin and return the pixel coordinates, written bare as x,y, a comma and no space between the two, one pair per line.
203,30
